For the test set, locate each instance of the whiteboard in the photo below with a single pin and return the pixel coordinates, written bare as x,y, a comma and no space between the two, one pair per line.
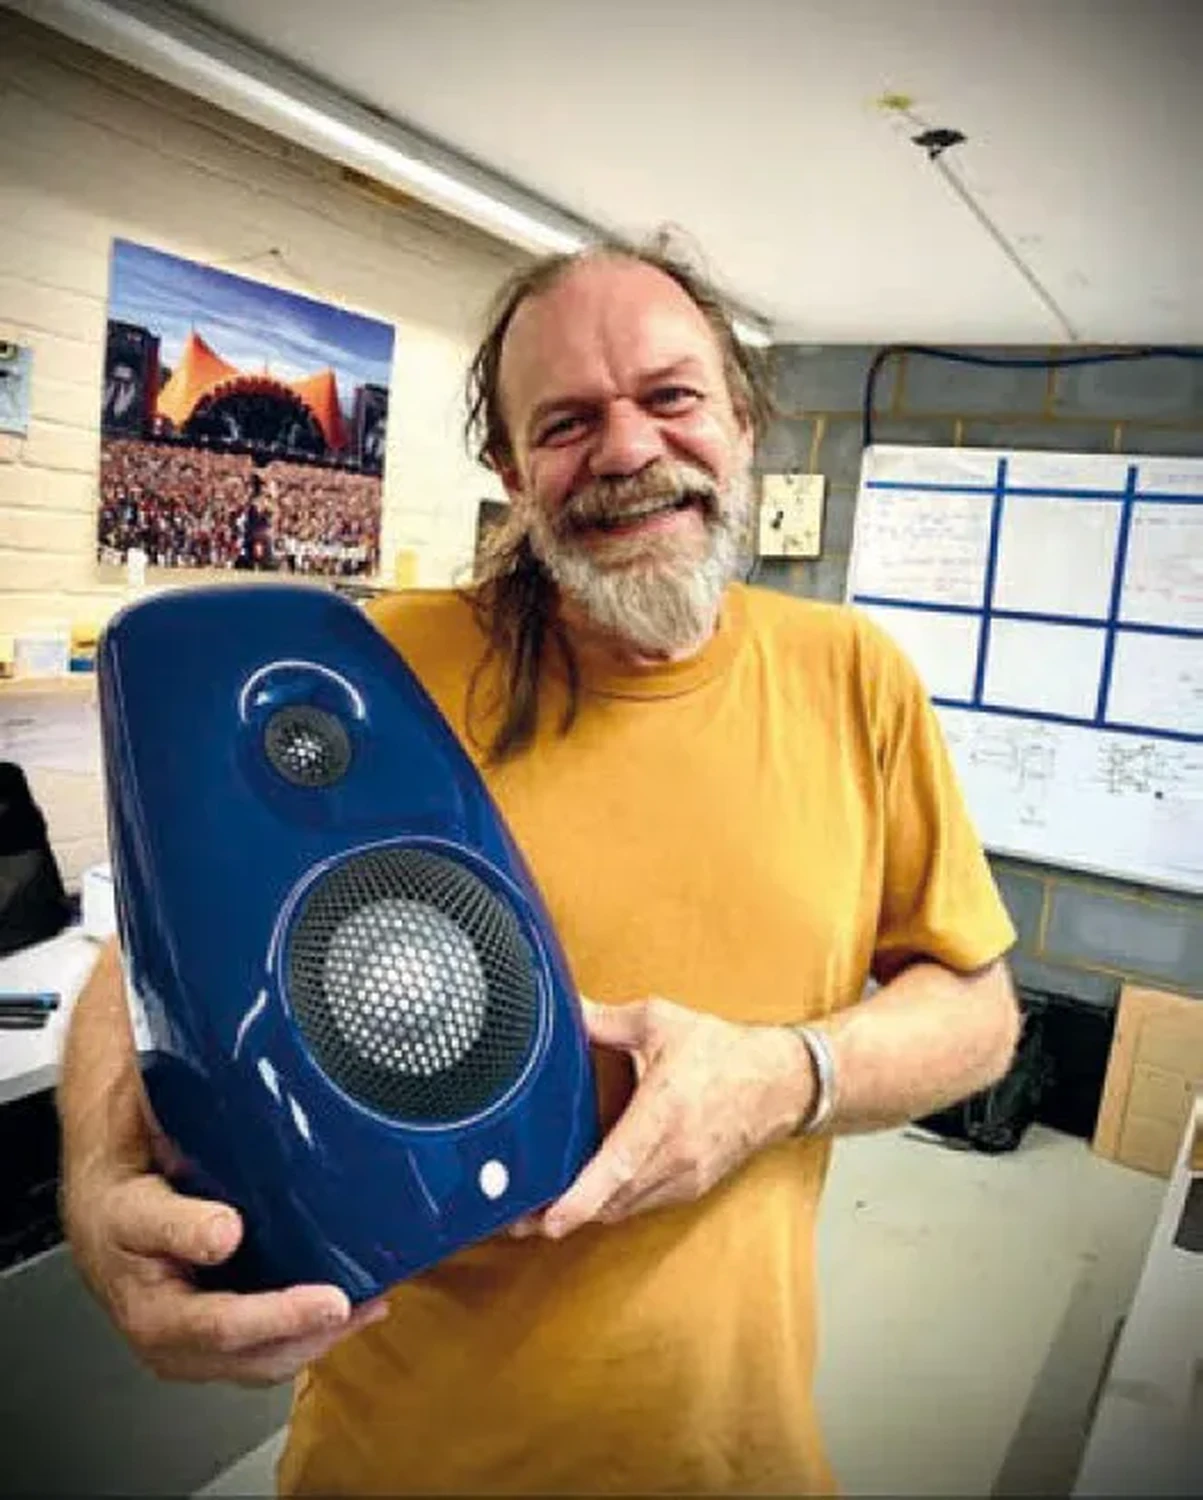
1052,603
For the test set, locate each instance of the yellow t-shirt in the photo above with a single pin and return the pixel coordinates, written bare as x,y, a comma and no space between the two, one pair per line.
752,833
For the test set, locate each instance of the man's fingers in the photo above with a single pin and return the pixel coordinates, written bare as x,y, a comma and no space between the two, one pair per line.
271,1362
665,1191
624,1026
174,1319
621,1165
150,1218
525,1227
295,1352
374,1311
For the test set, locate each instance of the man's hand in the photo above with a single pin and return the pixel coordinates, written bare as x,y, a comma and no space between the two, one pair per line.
134,1239
709,1093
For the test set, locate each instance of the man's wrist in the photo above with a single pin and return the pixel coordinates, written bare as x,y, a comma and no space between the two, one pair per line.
821,1060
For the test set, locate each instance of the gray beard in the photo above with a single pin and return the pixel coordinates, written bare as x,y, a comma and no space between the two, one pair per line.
656,605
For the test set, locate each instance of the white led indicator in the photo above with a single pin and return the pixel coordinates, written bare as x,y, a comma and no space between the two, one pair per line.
494,1179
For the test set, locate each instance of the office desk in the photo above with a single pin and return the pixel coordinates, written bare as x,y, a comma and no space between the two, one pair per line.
29,1060
1146,1437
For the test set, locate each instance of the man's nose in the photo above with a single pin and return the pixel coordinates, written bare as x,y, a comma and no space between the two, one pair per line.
627,440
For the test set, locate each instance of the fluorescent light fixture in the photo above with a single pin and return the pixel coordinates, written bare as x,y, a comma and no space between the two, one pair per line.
205,62
186,51
391,165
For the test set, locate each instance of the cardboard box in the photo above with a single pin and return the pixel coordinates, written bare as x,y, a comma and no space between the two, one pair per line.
1154,1073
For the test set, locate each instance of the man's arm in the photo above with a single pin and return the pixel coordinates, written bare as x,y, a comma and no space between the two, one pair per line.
925,1040
711,1093
133,1236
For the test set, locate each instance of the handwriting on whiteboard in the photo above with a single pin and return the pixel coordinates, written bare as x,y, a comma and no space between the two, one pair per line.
1163,580
1090,757
1157,682
914,545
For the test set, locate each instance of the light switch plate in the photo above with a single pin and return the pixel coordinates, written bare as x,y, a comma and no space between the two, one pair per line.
791,515
16,364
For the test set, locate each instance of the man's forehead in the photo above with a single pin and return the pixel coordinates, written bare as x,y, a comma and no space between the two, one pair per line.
603,316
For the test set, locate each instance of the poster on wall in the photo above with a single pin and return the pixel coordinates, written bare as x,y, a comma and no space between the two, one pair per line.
242,426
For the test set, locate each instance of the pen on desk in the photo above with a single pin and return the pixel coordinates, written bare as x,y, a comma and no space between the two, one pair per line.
23,1020
33,999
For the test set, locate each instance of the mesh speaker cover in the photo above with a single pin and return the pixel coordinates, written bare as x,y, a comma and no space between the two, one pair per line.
307,745
413,985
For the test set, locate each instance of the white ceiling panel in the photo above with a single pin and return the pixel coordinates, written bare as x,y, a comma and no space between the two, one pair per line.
754,126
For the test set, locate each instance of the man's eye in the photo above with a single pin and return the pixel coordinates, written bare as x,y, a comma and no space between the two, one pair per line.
560,428
673,398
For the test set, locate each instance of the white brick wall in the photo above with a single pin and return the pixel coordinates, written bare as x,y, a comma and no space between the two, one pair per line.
90,151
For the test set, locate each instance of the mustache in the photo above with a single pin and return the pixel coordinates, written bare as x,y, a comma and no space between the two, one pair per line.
660,484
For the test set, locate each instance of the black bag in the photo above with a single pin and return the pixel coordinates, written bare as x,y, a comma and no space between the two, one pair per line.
33,902
997,1119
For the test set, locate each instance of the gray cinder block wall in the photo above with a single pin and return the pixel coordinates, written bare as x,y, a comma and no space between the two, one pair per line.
1079,936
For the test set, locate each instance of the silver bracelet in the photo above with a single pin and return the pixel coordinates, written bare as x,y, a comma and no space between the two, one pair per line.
823,1061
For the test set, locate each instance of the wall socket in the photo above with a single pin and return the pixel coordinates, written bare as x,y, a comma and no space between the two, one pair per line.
791,515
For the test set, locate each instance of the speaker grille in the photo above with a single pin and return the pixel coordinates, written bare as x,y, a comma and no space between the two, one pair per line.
413,985
307,745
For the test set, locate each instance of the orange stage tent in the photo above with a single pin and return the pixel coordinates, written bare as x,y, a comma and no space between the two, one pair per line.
201,373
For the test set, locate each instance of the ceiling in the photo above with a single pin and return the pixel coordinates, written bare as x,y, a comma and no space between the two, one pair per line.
755,127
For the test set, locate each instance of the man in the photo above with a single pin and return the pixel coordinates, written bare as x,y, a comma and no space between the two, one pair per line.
122,393
738,808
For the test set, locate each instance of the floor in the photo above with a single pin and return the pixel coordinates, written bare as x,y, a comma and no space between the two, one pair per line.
968,1305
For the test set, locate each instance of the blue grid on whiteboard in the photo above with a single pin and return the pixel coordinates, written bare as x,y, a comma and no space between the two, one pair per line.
1111,627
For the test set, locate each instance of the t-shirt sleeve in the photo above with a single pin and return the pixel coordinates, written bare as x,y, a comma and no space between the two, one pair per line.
387,610
939,899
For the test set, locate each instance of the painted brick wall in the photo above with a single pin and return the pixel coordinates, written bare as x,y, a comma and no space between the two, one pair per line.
89,151
1077,936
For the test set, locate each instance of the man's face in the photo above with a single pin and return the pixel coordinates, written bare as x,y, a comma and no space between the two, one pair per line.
630,465
123,389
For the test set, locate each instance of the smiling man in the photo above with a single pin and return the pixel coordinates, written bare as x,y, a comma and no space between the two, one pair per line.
739,808
628,462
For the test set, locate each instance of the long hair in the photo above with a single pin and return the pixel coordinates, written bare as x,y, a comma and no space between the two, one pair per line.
513,595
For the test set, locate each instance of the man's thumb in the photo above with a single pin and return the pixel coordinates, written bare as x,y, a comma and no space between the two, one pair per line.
622,1026
151,1218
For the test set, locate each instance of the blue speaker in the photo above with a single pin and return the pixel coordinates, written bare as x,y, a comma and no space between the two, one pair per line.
353,1017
